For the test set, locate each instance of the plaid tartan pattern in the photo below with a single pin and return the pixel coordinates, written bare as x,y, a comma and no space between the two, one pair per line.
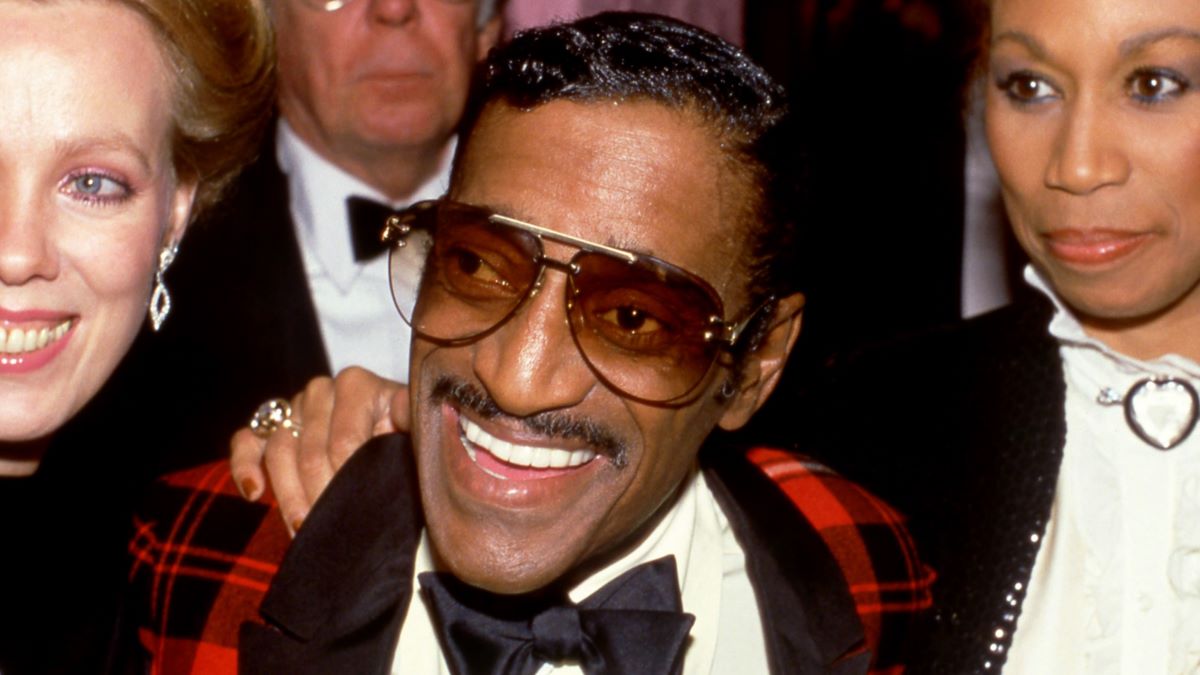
889,584
205,558
203,570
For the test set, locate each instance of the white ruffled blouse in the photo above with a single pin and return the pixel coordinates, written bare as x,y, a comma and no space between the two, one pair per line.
1116,585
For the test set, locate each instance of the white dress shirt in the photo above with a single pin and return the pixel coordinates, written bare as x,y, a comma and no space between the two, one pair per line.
359,323
1116,584
727,636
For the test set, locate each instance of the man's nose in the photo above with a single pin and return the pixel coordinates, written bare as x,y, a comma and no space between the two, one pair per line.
532,364
393,12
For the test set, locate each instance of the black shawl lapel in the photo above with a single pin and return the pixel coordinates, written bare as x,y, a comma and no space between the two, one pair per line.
343,588
808,615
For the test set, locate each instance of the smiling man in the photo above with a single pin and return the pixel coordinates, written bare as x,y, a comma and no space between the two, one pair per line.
607,281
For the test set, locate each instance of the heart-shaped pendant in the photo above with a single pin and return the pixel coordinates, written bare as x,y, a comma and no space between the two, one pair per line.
1162,411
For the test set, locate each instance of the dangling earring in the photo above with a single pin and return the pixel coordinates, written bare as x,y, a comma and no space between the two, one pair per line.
160,301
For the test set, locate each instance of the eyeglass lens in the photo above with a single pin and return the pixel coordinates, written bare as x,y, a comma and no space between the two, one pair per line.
642,326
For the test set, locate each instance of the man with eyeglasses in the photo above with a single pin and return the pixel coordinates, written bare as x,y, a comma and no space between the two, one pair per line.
288,279
607,280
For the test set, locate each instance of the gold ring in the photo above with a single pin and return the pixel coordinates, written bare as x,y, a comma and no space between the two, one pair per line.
275,413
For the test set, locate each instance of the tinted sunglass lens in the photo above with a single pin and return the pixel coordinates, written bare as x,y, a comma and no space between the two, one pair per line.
406,262
470,274
642,326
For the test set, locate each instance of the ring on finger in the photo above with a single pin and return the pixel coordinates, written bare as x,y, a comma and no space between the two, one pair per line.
275,413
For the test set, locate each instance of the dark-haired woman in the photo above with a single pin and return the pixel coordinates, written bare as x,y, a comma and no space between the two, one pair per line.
1048,453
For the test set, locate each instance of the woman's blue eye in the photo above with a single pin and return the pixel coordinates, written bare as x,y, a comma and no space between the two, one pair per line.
92,186
1156,85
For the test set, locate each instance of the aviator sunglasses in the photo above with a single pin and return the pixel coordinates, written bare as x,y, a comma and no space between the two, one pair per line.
647,328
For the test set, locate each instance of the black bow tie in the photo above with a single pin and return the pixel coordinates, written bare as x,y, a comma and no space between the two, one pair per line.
634,624
367,219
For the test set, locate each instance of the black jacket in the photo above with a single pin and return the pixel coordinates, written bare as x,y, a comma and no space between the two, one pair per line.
242,327
962,429
351,626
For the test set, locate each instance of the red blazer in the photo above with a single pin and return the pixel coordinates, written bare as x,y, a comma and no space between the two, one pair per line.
835,573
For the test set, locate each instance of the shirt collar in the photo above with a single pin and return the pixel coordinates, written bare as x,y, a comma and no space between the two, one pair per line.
318,190
691,530
1066,328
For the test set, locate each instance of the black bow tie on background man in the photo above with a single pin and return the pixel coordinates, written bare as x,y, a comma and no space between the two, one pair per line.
634,624
367,219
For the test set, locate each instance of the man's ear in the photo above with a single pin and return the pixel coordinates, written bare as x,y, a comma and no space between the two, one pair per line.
764,366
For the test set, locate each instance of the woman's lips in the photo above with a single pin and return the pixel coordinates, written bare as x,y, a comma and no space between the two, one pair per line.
24,339
32,344
1093,247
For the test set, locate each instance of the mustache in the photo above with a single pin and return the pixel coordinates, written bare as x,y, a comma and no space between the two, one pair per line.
467,396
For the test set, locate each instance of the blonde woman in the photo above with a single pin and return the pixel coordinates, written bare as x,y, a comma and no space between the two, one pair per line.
121,121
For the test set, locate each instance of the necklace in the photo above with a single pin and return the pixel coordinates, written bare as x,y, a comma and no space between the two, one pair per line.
1162,411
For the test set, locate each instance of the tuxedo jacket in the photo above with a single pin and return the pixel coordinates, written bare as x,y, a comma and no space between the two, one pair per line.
242,326
835,574
962,430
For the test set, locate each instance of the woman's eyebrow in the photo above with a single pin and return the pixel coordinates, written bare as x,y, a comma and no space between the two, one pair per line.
1139,42
111,143
1025,40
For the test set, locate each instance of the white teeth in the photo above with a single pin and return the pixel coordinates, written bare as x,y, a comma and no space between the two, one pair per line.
559,459
21,340
472,431
471,454
522,455
502,449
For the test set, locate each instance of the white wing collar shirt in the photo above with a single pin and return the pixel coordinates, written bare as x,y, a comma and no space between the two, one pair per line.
359,324
727,636
1116,584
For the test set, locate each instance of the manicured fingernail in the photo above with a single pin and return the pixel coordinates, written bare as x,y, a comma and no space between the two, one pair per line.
249,489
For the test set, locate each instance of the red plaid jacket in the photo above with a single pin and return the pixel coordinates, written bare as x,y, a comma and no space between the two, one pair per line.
834,559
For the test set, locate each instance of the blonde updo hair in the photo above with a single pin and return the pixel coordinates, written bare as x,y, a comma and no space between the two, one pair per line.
221,54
